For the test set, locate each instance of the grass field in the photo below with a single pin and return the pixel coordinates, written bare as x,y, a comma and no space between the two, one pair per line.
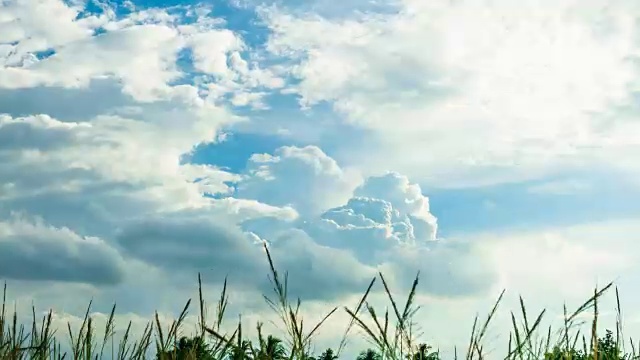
391,333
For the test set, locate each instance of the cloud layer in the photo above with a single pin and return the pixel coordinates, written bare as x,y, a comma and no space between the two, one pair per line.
453,90
103,108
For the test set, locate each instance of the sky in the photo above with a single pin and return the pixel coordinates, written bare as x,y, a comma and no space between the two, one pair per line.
488,145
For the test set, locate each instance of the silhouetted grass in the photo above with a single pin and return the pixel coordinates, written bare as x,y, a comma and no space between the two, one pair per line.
392,333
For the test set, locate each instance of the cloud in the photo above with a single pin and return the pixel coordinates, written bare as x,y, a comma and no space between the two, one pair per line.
384,211
213,59
69,104
318,272
95,175
190,241
100,113
187,241
560,187
115,160
305,178
109,149
406,197
31,250
571,258
31,26
143,57
452,109
34,133
385,225
140,50
155,212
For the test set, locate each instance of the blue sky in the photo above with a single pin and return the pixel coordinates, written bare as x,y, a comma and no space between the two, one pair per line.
486,145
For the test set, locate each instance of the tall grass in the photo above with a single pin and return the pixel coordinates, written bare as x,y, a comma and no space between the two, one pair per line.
393,333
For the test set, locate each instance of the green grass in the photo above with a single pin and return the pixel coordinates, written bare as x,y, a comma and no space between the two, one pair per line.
392,333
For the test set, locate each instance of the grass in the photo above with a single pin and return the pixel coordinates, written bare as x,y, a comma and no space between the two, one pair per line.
392,333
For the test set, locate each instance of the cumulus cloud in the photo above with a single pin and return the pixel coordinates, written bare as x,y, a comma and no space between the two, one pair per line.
305,178
115,169
140,50
99,111
93,176
317,271
111,156
385,225
31,250
385,211
187,241
34,133
107,149
143,57
30,26
79,176
211,243
404,196
210,51
485,90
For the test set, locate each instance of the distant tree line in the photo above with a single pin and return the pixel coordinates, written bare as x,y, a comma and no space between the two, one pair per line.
273,349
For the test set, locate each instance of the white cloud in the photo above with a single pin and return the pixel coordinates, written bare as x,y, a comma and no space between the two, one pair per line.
386,224
385,212
94,140
305,178
405,196
143,57
40,25
565,261
140,50
211,49
472,89
119,165
120,178
135,149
